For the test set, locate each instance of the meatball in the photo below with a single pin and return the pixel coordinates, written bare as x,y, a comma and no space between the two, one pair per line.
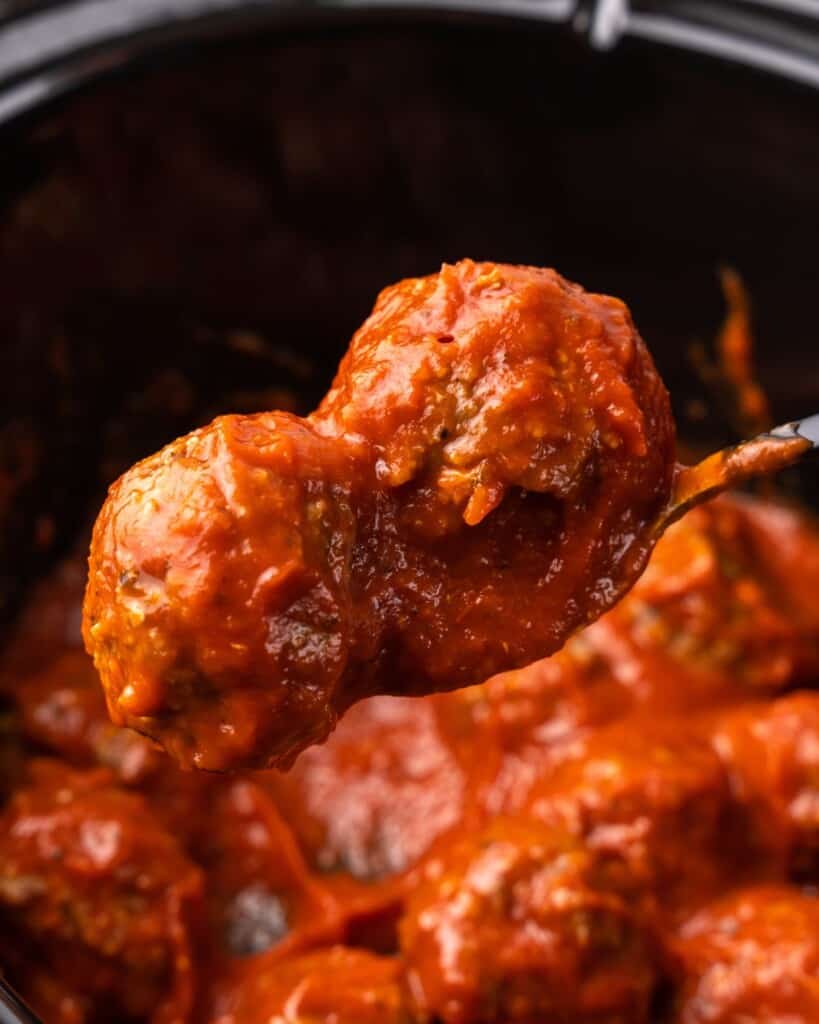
772,755
338,985
536,717
496,439
717,614
373,798
101,893
654,801
55,686
714,618
518,923
751,957
63,710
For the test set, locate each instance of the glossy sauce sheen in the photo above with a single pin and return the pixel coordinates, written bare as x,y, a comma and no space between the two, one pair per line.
480,481
626,832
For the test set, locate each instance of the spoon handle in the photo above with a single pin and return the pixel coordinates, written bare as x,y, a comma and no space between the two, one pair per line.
12,1008
766,453
808,429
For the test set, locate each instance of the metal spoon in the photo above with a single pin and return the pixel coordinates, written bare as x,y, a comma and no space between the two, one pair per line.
12,1008
776,449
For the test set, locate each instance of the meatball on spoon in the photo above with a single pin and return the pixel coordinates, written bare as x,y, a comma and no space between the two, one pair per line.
487,474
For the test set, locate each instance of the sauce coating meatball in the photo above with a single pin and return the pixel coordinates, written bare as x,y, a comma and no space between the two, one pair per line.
338,985
518,924
630,791
102,893
717,609
372,799
772,756
752,956
496,439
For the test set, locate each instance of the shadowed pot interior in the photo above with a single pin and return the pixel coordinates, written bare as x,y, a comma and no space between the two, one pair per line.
203,230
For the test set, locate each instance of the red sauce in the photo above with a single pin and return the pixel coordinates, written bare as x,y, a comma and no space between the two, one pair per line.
625,832
565,945
496,441
622,832
752,956
109,893
345,986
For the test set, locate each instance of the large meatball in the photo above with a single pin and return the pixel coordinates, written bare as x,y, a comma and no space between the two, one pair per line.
519,923
482,479
751,958
331,986
533,719
101,894
725,609
772,755
373,798
653,800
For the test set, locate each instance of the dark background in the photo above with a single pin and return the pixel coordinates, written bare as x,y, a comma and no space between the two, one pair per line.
204,234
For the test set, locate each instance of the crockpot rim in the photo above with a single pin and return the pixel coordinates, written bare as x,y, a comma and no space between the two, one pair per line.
53,48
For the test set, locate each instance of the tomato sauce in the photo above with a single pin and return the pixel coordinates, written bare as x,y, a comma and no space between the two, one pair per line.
496,438
624,832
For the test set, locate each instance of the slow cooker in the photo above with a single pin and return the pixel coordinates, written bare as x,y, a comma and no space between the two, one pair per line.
199,200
